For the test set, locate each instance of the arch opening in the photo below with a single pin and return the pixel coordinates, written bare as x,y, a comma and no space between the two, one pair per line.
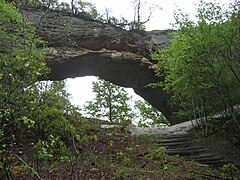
125,71
82,94
85,48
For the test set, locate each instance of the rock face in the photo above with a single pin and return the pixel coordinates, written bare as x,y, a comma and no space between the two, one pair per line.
80,48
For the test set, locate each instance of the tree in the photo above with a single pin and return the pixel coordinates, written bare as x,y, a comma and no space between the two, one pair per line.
64,7
30,111
202,67
51,109
111,101
22,64
149,116
82,8
54,94
49,4
75,7
137,22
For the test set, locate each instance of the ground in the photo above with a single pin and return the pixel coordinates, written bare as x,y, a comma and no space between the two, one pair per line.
220,145
216,141
115,154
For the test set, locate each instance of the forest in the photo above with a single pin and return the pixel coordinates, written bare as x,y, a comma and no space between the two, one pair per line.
44,136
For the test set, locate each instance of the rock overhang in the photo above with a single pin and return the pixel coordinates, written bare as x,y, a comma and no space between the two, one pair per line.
80,48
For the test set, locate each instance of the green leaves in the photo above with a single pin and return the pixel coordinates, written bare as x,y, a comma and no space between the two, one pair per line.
30,110
149,116
110,102
22,64
28,122
201,67
53,149
8,13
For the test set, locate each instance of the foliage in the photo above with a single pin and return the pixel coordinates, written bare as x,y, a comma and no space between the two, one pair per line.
37,112
22,64
55,124
80,8
121,174
202,67
111,102
54,94
148,115
88,11
84,8
137,23
231,169
52,150
122,23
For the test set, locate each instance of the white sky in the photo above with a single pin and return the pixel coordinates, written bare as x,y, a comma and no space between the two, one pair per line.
81,88
160,18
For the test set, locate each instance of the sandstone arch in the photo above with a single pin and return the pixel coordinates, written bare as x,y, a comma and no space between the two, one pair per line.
80,48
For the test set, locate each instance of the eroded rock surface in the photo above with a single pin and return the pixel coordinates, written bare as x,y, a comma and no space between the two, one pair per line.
80,48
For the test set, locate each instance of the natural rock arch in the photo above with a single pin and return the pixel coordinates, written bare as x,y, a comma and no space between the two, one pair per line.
80,48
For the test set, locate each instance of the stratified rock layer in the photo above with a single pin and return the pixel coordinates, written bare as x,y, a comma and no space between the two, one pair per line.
82,48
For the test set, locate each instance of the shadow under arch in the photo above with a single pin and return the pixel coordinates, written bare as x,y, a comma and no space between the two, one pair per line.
80,47
123,69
